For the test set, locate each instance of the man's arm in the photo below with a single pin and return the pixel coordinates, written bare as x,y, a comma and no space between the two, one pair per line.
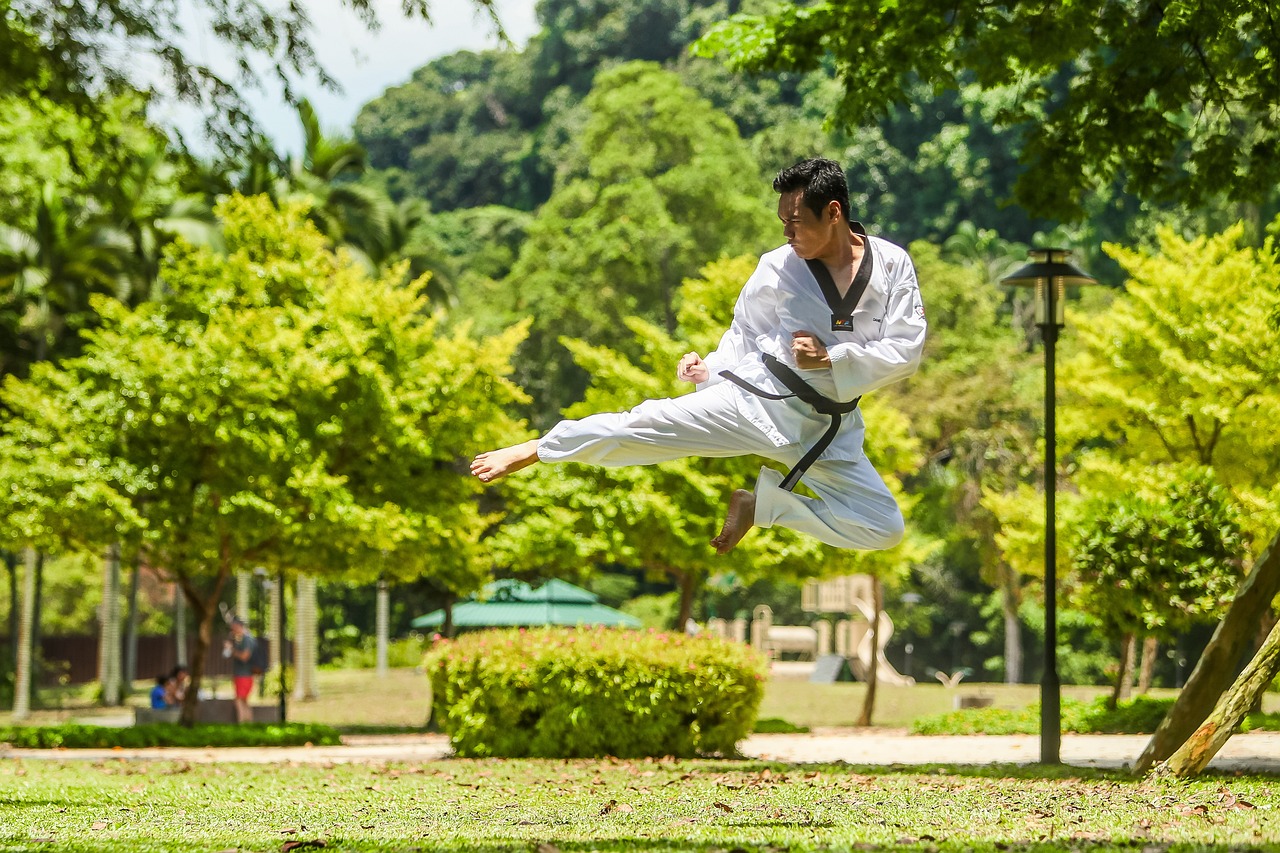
740,338
861,368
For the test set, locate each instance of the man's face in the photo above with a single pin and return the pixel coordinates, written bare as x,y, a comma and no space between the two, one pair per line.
809,234
237,630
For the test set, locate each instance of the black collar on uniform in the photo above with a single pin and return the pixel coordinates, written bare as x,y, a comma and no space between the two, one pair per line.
842,307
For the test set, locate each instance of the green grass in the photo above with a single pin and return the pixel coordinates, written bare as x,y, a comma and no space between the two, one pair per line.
616,806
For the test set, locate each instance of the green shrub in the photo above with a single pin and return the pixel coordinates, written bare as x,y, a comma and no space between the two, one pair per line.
1140,715
571,693
1260,722
778,726
167,734
402,653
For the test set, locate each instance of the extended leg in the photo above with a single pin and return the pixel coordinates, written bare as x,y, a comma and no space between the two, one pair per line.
854,508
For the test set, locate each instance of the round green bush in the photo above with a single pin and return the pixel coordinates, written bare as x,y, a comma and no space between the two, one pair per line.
590,692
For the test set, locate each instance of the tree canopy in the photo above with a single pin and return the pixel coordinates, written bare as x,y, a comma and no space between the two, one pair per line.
1176,100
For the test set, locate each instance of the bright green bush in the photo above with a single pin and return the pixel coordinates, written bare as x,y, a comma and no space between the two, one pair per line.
571,693
72,736
1137,716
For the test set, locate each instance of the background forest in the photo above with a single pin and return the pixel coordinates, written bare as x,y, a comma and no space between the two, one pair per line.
285,360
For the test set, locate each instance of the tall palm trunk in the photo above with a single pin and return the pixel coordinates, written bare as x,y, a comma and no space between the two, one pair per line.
382,618
26,615
131,628
109,637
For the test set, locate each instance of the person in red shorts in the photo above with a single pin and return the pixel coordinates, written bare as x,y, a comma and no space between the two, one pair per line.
240,649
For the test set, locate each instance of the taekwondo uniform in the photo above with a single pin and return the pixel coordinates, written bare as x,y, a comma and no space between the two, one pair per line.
878,342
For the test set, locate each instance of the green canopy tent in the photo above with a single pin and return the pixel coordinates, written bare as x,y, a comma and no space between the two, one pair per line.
511,603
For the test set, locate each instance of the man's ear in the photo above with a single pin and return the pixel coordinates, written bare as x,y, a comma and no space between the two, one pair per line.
833,211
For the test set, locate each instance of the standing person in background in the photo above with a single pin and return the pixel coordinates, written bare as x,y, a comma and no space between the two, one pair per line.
240,649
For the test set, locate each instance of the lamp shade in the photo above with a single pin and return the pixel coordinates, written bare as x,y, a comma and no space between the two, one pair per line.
1048,265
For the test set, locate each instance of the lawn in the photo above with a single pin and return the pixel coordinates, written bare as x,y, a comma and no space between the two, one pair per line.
546,806
358,698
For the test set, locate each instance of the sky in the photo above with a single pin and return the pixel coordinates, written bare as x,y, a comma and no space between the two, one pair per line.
366,63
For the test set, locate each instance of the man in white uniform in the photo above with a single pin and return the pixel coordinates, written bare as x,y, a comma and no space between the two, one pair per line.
827,318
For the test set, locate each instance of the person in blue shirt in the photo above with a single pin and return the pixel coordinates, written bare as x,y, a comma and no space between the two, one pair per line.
160,693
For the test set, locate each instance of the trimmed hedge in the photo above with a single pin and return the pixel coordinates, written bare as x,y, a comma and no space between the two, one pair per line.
167,734
591,692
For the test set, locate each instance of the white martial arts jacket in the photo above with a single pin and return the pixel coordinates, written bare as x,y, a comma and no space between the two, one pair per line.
782,297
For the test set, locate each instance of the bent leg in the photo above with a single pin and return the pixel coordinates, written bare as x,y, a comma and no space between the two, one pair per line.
705,423
854,508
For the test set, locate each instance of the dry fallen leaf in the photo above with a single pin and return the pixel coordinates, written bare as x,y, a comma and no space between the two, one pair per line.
547,848
724,807
99,824
301,845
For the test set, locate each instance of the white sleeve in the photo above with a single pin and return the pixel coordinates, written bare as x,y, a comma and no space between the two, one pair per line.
861,368
739,340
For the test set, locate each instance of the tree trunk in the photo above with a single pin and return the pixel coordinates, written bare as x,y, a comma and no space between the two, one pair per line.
37,635
1269,622
179,625
382,618
15,605
26,615
131,628
204,610
1204,743
1012,631
244,583
109,639
1120,691
304,632
873,673
1214,670
688,590
275,605
1150,648
448,628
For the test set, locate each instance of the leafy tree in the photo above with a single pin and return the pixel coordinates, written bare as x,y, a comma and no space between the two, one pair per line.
1168,373
281,409
1174,99
658,184
75,50
1156,566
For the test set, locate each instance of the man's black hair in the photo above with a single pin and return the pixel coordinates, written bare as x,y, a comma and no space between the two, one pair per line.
823,182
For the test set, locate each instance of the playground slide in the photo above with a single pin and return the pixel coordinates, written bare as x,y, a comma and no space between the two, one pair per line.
860,663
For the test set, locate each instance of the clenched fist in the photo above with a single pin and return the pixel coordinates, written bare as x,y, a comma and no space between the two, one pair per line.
808,351
692,369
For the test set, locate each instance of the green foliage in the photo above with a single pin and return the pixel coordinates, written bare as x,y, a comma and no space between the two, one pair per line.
280,408
588,693
1135,108
1165,375
656,184
401,652
1156,567
73,736
1140,715
776,726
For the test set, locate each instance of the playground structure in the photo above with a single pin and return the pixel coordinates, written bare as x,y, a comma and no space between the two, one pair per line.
851,638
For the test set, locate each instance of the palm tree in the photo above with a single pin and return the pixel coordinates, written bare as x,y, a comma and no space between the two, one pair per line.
151,211
49,272
352,214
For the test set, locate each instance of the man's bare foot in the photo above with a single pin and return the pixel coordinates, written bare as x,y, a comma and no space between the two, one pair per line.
741,518
499,463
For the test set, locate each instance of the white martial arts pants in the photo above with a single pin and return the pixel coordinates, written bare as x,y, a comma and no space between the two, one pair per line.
854,508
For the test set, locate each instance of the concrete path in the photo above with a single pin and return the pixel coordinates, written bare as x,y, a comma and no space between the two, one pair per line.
1256,752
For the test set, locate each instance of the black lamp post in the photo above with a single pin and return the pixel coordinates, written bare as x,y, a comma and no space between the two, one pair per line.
1050,274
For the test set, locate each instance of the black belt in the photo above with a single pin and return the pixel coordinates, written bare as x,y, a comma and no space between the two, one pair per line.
804,392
